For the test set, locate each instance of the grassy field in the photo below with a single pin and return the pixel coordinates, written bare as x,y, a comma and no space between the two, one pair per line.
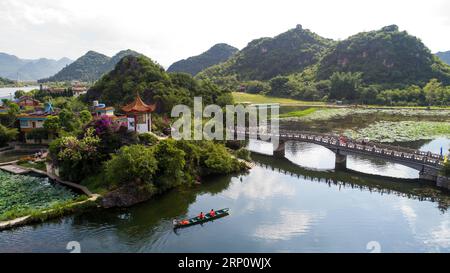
300,113
240,97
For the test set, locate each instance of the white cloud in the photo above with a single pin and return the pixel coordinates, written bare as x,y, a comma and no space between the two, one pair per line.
170,30
260,186
289,224
440,236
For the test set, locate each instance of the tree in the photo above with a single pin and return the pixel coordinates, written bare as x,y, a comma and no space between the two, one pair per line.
52,123
434,92
85,116
279,86
77,158
171,163
19,93
69,121
7,135
134,163
345,85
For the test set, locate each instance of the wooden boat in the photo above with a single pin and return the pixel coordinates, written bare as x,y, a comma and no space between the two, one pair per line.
196,220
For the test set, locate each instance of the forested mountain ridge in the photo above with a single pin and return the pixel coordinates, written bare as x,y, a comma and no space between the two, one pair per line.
265,58
193,65
139,74
89,67
384,66
385,56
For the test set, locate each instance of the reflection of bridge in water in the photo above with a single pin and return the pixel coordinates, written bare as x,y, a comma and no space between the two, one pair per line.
428,164
410,188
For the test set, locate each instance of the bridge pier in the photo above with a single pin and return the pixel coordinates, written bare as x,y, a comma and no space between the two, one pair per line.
280,151
429,177
428,174
340,161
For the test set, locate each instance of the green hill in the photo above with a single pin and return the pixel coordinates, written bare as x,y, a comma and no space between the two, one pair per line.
89,67
139,74
265,58
215,55
385,56
444,56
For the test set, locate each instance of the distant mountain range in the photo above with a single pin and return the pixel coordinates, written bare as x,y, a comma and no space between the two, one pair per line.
14,68
445,56
89,67
192,65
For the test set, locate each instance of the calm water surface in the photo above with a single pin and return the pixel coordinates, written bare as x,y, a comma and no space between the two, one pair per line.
278,206
7,92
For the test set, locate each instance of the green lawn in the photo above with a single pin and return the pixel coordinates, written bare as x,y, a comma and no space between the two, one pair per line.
240,97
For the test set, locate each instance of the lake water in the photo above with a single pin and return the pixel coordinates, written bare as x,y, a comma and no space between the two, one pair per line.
278,206
7,92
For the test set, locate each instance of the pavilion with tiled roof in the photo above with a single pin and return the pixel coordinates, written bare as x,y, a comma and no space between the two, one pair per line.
139,115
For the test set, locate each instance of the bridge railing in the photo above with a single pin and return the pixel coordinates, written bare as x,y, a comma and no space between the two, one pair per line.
426,158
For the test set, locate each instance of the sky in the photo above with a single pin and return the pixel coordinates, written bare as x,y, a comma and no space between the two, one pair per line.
170,30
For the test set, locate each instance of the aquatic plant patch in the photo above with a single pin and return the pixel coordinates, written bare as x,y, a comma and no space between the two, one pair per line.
402,131
20,194
336,113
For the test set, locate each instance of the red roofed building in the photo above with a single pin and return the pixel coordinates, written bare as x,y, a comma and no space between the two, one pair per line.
27,101
139,115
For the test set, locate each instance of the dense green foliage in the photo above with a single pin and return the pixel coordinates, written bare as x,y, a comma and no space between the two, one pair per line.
265,58
386,56
7,135
169,163
132,163
77,157
9,117
89,67
141,75
13,67
215,55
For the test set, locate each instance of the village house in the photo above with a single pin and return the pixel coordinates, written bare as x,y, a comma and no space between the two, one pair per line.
100,109
78,88
30,123
27,101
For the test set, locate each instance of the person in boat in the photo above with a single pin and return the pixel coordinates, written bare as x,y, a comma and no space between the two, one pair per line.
201,215
212,213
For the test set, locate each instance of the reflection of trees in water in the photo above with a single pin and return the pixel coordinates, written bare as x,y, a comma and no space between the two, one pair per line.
410,188
131,223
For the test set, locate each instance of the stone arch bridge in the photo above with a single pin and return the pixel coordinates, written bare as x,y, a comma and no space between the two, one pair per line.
428,164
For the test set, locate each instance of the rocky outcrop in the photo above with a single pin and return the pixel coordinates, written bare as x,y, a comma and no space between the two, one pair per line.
127,195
